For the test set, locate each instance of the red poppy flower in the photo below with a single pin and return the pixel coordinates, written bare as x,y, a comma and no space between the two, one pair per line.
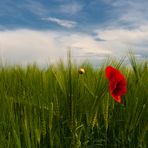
117,83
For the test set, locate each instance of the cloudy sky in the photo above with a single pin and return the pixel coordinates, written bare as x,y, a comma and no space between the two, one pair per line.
43,30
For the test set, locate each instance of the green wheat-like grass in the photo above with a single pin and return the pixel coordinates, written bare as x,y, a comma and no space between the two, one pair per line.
59,108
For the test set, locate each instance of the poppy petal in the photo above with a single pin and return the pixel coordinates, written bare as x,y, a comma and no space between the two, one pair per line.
110,72
120,88
117,83
117,98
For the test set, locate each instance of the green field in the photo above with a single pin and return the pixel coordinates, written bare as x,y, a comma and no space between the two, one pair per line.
59,108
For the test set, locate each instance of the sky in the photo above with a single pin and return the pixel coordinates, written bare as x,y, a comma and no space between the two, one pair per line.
42,31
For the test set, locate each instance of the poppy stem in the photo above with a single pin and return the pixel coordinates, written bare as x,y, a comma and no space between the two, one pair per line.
123,103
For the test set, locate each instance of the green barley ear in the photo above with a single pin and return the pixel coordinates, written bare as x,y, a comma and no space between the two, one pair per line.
56,106
105,111
50,115
16,138
94,121
38,135
133,63
26,133
43,123
143,133
69,94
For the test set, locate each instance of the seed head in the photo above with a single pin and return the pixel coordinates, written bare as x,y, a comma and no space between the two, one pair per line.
81,71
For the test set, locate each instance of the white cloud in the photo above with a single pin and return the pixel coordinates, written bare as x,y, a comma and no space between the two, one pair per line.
61,22
125,36
119,40
27,46
83,42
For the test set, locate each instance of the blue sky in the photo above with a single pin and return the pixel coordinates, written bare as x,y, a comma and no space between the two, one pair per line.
42,31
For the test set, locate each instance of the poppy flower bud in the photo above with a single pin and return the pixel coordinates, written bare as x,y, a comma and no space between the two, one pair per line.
81,71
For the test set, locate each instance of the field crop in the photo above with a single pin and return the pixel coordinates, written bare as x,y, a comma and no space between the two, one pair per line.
59,107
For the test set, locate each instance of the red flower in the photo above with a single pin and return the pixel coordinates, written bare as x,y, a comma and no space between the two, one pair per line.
117,83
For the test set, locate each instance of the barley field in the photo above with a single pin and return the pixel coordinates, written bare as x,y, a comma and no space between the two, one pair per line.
58,107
